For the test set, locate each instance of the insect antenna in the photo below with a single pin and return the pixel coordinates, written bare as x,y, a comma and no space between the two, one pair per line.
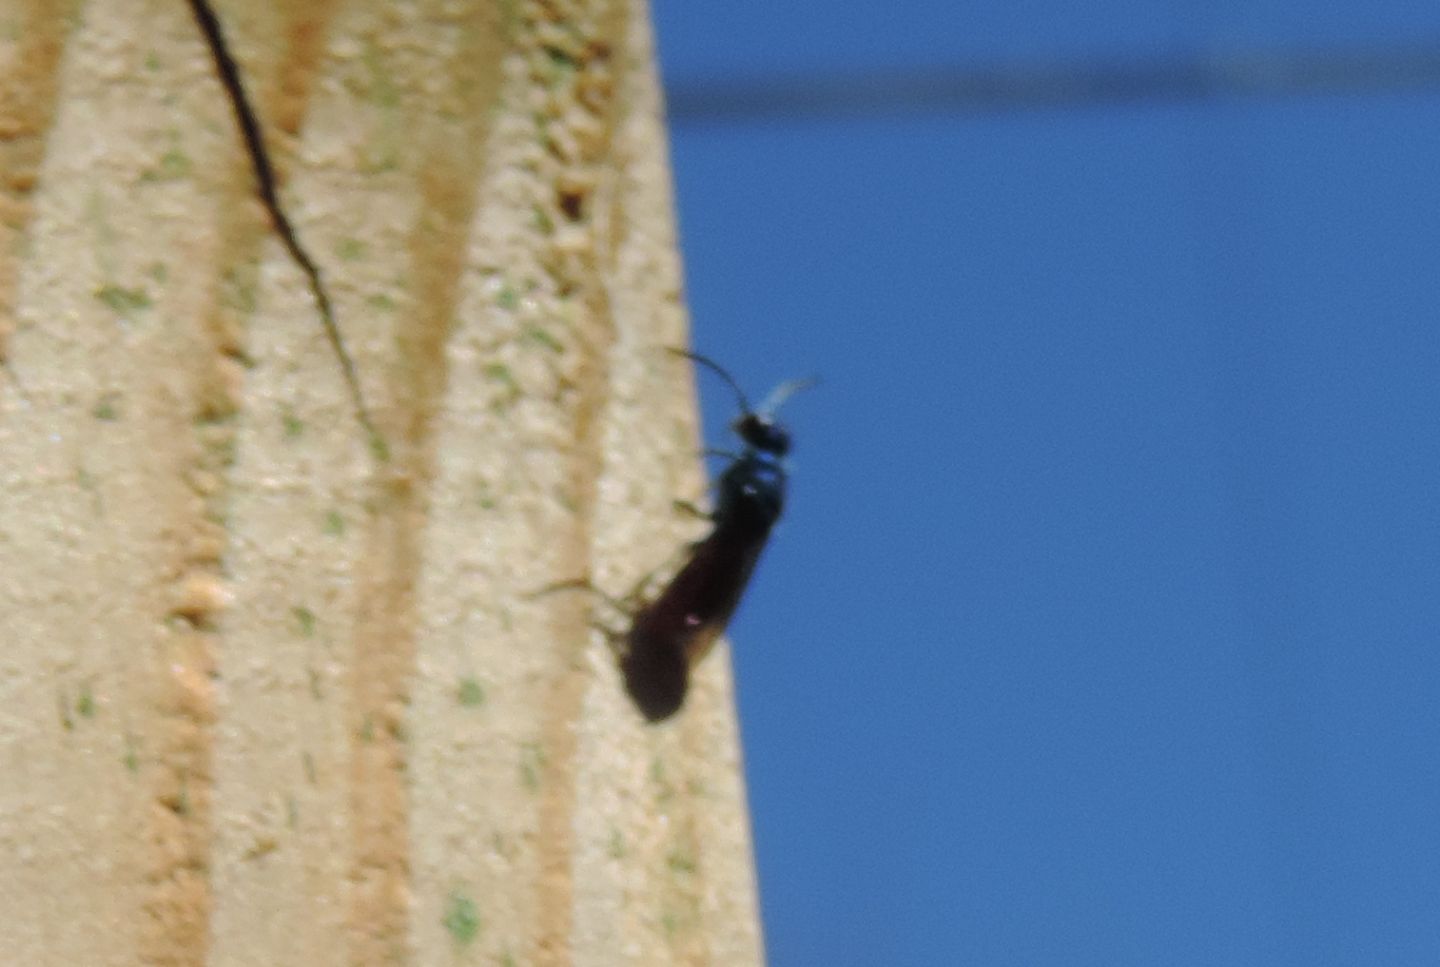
719,371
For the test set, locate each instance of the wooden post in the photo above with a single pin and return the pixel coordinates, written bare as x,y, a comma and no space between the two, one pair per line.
267,697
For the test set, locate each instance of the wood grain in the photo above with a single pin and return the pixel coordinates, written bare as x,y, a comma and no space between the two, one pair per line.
265,699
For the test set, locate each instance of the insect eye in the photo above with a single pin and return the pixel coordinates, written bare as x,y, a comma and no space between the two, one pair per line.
763,434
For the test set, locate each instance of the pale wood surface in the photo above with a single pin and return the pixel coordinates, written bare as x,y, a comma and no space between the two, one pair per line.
263,699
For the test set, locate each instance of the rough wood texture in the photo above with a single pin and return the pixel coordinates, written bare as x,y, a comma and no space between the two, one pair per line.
263,698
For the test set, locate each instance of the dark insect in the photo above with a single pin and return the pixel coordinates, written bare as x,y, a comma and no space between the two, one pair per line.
671,634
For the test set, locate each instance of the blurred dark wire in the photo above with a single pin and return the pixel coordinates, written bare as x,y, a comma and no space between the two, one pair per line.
993,90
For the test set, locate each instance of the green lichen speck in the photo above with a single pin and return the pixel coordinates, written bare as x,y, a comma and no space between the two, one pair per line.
532,763
461,919
305,618
85,704
132,753
680,861
350,249
121,299
105,409
470,693
542,337
294,426
173,165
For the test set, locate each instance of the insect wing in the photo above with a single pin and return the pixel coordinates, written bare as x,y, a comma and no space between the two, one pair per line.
677,630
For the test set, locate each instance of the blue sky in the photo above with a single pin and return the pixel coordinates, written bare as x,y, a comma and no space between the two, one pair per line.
1102,625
